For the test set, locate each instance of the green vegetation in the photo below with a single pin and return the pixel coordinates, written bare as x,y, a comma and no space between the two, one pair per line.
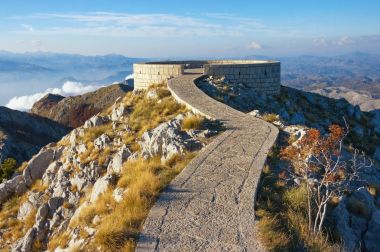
7,168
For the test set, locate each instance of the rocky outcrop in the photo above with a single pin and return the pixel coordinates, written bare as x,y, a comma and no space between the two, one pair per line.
22,135
167,140
34,170
357,221
70,180
74,111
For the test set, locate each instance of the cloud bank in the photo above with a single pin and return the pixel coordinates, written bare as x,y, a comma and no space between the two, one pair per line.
69,88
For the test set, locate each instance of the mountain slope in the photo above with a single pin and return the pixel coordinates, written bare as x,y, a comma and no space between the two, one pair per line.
22,135
74,111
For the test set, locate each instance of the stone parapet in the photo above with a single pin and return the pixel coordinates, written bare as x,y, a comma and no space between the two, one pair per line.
263,76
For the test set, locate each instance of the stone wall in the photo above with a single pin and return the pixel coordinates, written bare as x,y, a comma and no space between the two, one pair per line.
263,76
259,75
148,74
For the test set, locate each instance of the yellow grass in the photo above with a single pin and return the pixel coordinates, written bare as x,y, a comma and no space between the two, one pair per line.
193,122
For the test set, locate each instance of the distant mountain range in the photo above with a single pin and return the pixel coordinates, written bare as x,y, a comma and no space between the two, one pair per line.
28,73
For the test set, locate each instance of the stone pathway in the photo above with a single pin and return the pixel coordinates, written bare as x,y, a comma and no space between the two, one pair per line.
210,205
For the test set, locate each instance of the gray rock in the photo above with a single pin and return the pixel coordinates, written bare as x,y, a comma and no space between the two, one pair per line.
101,186
167,140
95,121
42,213
377,154
39,163
24,211
118,111
116,164
15,185
102,141
372,236
349,227
25,244
54,203
118,194
152,94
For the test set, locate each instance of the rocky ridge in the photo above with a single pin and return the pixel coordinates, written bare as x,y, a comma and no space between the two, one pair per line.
22,134
64,179
73,111
356,216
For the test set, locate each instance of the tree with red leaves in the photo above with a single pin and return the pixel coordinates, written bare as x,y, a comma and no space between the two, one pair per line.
317,162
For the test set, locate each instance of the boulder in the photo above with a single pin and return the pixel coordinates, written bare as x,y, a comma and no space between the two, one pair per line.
39,163
102,141
24,211
167,140
95,121
118,194
372,236
116,164
15,185
377,154
101,186
118,111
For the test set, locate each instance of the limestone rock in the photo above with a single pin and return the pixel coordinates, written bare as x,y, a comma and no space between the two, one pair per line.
15,185
167,140
95,121
372,236
102,141
118,111
118,159
101,186
39,163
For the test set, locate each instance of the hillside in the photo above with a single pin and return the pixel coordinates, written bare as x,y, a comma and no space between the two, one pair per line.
22,134
73,111
351,220
93,189
363,99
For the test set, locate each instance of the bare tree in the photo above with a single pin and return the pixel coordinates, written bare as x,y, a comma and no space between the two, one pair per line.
318,162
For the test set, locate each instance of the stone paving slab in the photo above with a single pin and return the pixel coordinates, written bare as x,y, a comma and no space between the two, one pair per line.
209,206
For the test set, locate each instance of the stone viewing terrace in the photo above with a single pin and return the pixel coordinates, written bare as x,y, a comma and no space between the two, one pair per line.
263,76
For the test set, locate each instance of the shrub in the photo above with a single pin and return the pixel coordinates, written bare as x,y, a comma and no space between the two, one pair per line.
7,168
193,122
270,117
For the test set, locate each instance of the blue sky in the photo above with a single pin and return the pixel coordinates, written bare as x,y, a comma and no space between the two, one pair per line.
194,28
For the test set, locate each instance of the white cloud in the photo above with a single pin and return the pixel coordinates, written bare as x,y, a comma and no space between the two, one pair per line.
254,46
341,41
129,76
154,25
28,28
69,88
34,43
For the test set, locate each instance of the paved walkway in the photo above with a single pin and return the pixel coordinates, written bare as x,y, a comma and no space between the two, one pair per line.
210,205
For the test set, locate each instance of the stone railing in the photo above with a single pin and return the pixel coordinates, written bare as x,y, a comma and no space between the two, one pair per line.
263,76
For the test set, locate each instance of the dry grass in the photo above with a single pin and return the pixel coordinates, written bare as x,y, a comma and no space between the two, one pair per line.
13,228
193,122
282,216
270,117
58,240
147,113
38,186
121,222
92,133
